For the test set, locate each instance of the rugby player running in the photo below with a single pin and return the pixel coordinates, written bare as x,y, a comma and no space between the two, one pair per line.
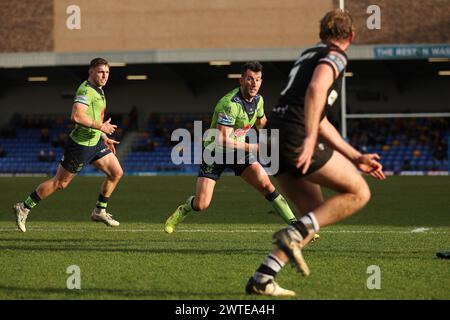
88,143
236,113
313,153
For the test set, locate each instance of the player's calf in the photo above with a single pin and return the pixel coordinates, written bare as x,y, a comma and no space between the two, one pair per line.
289,241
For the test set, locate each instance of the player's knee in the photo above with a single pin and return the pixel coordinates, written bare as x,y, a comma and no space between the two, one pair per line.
119,174
116,175
363,194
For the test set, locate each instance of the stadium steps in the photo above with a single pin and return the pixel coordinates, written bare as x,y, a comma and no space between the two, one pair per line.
125,145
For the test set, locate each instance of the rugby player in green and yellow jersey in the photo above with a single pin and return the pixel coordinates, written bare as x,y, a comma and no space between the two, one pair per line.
235,114
88,143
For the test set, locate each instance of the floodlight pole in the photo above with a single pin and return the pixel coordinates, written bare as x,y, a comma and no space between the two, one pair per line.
343,93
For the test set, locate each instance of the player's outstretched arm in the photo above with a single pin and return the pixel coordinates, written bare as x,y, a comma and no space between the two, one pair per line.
367,163
231,144
328,132
79,116
261,122
315,100
110,143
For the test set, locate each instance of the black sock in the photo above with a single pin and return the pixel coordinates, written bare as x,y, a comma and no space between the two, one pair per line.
300,226
272,196
32,200
102,202
268,269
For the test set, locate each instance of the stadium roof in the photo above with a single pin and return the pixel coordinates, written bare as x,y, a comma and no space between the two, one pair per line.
357,52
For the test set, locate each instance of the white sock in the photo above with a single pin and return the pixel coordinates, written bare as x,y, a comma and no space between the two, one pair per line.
310,222
268,269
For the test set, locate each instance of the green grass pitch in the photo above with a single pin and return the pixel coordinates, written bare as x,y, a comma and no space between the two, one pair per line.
212,254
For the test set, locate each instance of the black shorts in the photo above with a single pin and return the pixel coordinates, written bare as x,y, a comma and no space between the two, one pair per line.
76,156
291,139
214,170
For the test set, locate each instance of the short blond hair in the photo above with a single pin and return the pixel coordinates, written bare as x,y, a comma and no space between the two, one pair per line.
336,24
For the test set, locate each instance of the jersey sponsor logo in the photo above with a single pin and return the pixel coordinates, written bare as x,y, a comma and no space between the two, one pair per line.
243,116
242,131
223,118
82,99
280,109
332,97
208,169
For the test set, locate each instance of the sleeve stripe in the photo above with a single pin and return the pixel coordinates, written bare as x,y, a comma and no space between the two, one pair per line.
82,102
82,98
339,55
226,125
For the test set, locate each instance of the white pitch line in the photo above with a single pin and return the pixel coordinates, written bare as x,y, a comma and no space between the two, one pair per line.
215,231
420,230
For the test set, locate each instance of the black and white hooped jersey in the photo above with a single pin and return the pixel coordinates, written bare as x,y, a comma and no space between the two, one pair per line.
290,107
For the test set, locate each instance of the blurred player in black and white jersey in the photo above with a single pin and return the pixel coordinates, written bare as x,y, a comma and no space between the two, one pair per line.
313,153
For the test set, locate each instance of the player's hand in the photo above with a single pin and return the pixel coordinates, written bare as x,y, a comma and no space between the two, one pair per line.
110,143
107,127
306,154
368,163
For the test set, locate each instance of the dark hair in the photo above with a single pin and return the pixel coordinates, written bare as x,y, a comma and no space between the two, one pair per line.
336,24
254,66
98,62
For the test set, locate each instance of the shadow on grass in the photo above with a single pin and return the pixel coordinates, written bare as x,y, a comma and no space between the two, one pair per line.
118,293
323,253
168,250
110,241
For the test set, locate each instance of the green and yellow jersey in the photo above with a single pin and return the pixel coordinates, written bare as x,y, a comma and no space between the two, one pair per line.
235,112
94,99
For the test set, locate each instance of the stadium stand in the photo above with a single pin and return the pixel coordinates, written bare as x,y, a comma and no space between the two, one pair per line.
151,151
34,144
404,144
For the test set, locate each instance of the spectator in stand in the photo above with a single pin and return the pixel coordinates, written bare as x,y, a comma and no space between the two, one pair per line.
149,146
159,131
133,118
3,152
45,136
60,141
51,156
440,151
406,166
42,156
